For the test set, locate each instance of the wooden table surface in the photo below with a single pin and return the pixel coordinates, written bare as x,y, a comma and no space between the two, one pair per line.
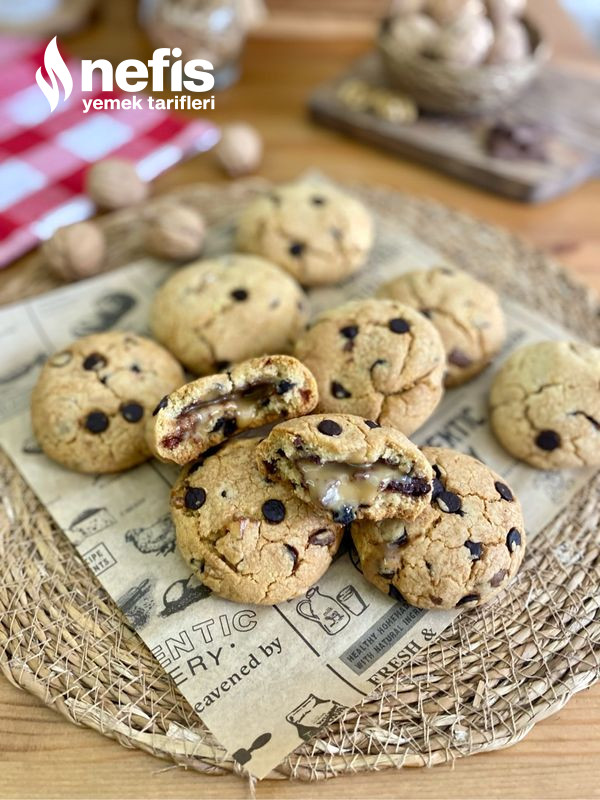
41,754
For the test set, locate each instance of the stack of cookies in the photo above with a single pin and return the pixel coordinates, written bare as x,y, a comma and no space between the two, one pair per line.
260,511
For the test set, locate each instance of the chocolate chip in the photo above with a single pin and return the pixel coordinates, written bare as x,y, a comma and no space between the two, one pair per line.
401,540
323,537
475,549
132,412
388,574
224,493
412,486
239,295
194,498
96,422
548,440
399,325
297,248
273,511
163,404
339,391
344,515
459,358
437,488
229,426
395,594
318,200
293,553
437,601
329,427
349,331
449,502
513,540
370,423
468,598
94,361
298,443
221,366
497,579
503,490
135,368
284,386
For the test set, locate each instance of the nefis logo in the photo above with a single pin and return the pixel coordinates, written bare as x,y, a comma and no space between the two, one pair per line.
130,76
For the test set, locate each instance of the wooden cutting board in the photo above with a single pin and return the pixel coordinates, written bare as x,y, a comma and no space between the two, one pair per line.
564,103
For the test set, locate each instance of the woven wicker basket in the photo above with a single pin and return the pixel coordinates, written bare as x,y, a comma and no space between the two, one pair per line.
456,89
482,685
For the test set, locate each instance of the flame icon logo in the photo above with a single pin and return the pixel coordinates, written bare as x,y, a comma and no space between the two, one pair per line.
55,68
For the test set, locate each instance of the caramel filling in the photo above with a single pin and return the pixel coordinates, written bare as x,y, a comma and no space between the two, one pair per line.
238,409
338,486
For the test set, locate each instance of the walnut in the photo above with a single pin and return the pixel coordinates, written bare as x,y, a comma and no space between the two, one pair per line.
114,183
176,232
511,43
446,12
239,150
414,32
76,251
466,42
502,10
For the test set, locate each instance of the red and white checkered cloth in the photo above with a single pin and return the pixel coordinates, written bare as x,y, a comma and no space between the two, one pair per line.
44,156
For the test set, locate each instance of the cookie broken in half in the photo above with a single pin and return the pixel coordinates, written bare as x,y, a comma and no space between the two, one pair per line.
352,467
209,410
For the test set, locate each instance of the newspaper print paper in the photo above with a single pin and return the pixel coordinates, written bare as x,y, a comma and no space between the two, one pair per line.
262,679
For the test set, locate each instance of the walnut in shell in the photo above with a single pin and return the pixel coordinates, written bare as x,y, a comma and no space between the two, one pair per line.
177,232
76,251
414,32
446,12
114,183
466,42
511,43
239,150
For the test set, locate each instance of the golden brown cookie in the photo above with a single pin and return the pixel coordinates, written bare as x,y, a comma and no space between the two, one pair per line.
91,401
545,405
216,312
247,538
378,359
466,312
204,412
349,466
461,551
314,231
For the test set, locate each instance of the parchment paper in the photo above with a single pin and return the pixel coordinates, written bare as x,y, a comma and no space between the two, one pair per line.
262,679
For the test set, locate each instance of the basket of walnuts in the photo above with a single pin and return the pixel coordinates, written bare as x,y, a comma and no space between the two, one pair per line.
460,56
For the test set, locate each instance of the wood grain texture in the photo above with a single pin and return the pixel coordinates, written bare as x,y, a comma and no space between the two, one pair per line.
41,754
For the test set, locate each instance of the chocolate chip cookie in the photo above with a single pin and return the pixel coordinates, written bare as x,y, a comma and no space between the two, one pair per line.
545,405
207,411
378,359
461,551
314,231
247,538
90,403
216,312
349,466
466,312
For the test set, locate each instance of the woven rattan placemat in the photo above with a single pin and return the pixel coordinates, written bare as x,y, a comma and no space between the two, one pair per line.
481,686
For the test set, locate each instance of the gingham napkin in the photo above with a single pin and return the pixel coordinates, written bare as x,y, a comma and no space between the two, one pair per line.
44,156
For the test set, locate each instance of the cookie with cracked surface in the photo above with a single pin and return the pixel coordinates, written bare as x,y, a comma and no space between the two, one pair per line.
216,312
545,405
466,312
249,539
91,400
461,551
314,231
206,411
378,359
351,467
